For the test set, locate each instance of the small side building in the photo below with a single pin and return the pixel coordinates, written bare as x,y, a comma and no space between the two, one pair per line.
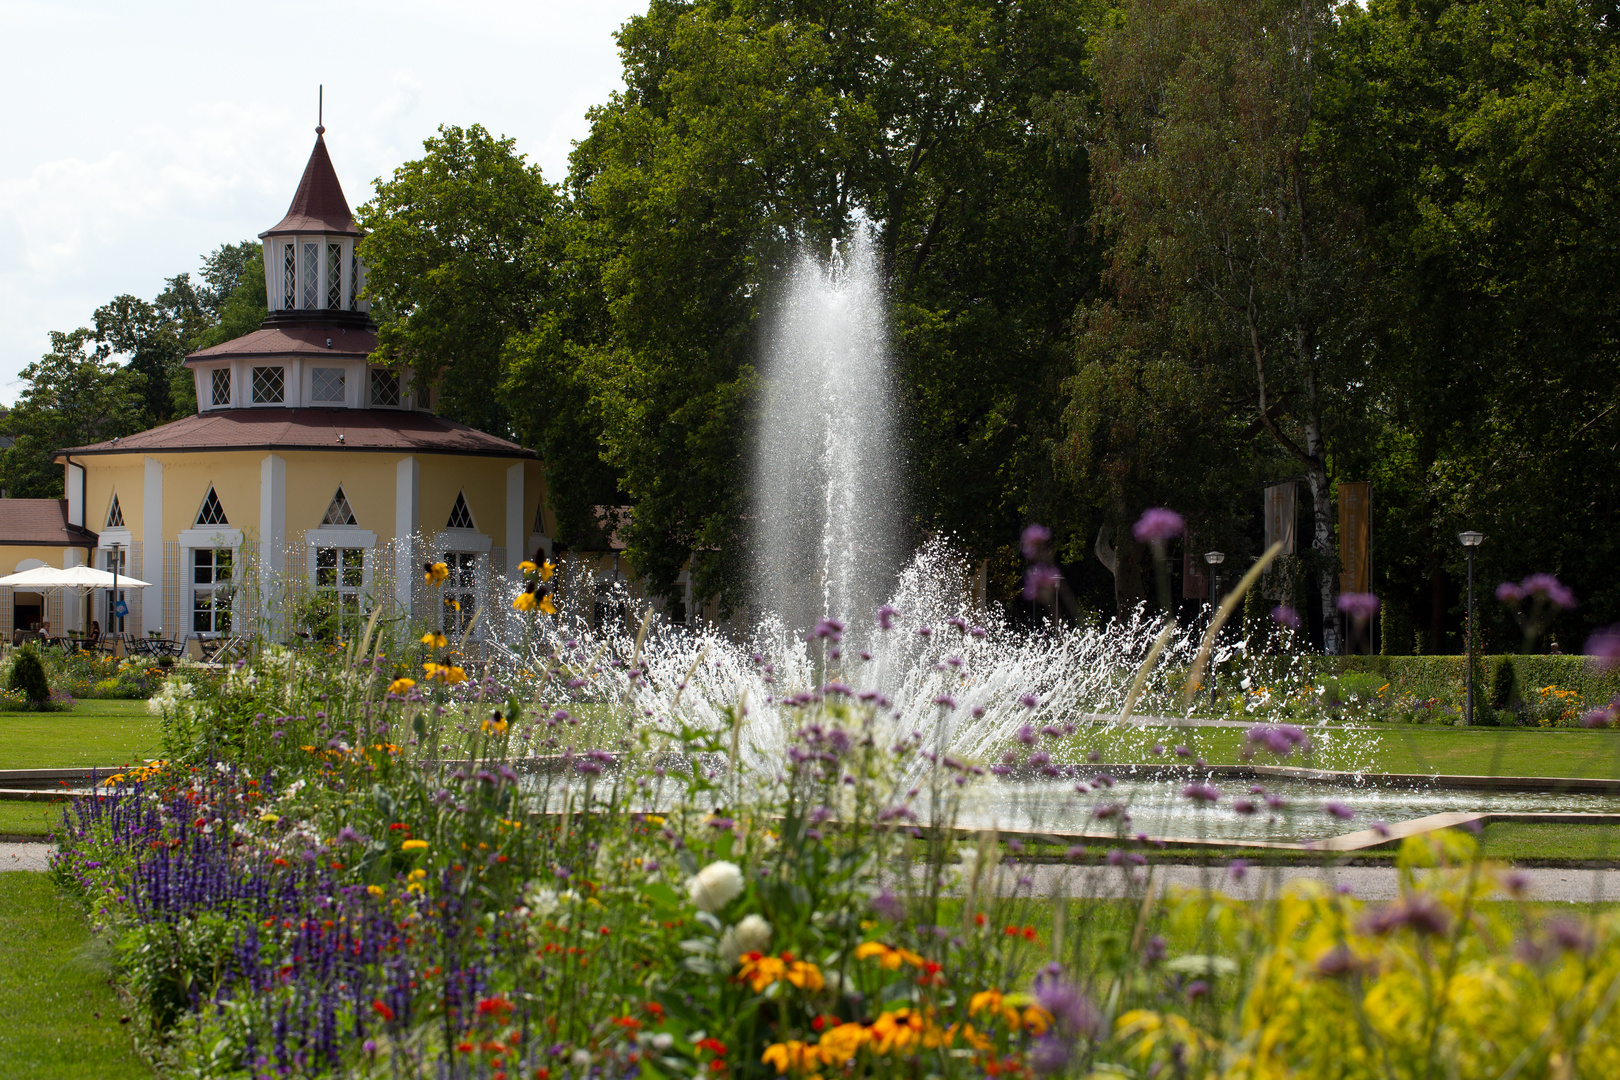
33,533
308,475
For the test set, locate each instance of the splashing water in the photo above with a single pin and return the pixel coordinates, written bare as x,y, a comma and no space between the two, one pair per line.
826,476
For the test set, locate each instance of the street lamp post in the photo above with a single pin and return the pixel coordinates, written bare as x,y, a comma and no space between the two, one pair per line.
1470,540
1214,558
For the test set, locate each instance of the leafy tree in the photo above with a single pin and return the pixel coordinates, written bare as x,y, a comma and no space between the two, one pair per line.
468,279
1217,213
157,336
1479,143
748,130
74,395
460,256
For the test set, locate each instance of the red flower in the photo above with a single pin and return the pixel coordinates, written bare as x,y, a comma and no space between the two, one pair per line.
713,1045
978,920
654,1009
383,1011
1029,933
629,1023
494,1006
1011,931
279,861
464,1046
605,931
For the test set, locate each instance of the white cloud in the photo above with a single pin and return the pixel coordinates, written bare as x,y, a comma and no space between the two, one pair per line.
141,136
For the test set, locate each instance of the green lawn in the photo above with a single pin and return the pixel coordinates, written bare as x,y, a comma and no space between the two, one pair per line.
93,733
1511,840
62,1019
1392,748
29,818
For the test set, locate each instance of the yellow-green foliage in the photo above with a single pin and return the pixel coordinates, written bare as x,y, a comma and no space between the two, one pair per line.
1464,986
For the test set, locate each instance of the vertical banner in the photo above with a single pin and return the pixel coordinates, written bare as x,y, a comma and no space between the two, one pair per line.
1281,515
1355,536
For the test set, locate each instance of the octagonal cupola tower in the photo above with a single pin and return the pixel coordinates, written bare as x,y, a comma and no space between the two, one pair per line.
312,275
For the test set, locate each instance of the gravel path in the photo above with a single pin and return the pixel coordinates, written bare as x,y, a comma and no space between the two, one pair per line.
25,856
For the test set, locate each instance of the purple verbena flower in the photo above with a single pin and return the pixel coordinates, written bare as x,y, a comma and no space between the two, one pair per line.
1157,525
1604,647
1283,615
1040,579
1548,588
1034,541
1029,701
1201,793
1360,606
1338,810
885,617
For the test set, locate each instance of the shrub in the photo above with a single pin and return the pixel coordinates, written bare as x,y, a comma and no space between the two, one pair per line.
28,677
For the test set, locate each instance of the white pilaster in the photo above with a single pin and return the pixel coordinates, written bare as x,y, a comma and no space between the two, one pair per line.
72,605
515,525
272,532
407,494
152,546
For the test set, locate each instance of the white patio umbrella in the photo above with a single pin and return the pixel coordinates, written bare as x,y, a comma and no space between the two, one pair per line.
81,578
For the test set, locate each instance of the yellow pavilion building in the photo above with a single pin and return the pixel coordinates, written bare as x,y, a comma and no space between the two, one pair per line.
307,471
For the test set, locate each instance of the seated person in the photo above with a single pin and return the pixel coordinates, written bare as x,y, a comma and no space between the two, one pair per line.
45,630
95,632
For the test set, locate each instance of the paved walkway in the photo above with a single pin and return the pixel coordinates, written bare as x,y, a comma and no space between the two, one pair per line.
1546,884
25,856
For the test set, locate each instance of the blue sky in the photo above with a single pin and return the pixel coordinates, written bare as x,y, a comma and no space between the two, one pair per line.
141,135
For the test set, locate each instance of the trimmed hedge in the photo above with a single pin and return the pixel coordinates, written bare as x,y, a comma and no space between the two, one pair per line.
1510,689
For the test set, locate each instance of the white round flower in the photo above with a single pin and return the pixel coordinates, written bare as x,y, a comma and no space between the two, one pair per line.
581,1059
715,886
753,934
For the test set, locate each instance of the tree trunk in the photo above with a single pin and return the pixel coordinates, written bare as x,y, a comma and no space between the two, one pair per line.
1127,574
1322,512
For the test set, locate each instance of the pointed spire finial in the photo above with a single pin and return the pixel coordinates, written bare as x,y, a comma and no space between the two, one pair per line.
320,109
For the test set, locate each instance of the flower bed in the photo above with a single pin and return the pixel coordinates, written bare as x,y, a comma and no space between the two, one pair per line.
337,873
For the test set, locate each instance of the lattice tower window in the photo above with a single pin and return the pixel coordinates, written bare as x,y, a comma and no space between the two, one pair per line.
327,385
384,387
221,386
312,274
354,280
212,513
289,262
269,385
460,516
334,276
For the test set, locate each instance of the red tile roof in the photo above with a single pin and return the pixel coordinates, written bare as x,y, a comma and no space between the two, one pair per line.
273,428
318,205
41,522
294,341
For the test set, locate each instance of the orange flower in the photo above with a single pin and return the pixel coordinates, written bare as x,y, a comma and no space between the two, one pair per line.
889,958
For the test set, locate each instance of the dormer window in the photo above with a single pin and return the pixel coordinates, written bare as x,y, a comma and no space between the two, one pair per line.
460,515
338,512
269,385
221,385
211,512
385,388
326,386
